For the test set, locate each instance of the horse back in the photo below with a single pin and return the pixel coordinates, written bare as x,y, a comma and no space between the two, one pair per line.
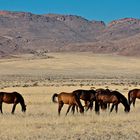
135,93
85,95
107,98
10,97
67,98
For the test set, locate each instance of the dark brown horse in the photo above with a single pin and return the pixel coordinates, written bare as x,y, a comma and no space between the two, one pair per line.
67,98
113,97
88,96
12,98
132,95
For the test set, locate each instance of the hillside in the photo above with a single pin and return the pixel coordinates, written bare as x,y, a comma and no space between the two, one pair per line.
29,33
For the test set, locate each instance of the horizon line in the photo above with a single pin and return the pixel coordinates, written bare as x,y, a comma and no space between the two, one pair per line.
34,13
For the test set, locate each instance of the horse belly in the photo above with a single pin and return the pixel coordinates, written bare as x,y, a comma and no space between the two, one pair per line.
69,101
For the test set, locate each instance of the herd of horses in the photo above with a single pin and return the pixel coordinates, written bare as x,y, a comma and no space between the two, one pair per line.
102,98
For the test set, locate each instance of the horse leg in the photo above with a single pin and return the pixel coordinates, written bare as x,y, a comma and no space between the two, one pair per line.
68,110
76,106
103,106
97,108
86,104
90,106
14,106
13,109
73,109
1,108
130,101
134,100
60,107
108,105
116,108
112,108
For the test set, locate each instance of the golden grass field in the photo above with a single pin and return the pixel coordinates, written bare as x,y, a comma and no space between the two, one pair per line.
38,78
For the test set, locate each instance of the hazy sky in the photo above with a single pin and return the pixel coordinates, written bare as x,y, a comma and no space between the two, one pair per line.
106,10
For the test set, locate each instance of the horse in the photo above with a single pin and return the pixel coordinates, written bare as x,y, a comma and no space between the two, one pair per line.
113,97
12,98
132,95
67,98
88,96
103,106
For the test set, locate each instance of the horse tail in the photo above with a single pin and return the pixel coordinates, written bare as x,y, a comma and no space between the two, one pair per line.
54,96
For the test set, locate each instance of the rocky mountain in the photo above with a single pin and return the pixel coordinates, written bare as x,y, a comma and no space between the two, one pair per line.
22,32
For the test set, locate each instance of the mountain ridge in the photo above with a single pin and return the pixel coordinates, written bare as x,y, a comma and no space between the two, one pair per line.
23,32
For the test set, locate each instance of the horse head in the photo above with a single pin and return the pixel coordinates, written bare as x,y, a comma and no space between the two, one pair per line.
127,108
24,108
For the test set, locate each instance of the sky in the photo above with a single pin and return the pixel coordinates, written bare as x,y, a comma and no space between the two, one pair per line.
105,10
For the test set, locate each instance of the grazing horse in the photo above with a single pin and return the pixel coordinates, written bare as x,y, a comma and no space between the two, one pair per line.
132,95
67,98
113,97
12,98
103,106
88,96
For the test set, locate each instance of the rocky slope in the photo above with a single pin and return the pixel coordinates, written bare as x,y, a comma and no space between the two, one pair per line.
22,32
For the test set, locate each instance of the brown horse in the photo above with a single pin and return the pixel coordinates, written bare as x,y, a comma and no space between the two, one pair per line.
12,98
132,95
88,96
103,106
113,97
67,98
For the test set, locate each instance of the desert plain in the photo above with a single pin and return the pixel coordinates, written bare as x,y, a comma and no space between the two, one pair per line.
37,78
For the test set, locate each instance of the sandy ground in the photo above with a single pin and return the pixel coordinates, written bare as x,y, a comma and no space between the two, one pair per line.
37,79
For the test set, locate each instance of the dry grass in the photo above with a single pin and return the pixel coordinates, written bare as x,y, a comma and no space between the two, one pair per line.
72,64
41,121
